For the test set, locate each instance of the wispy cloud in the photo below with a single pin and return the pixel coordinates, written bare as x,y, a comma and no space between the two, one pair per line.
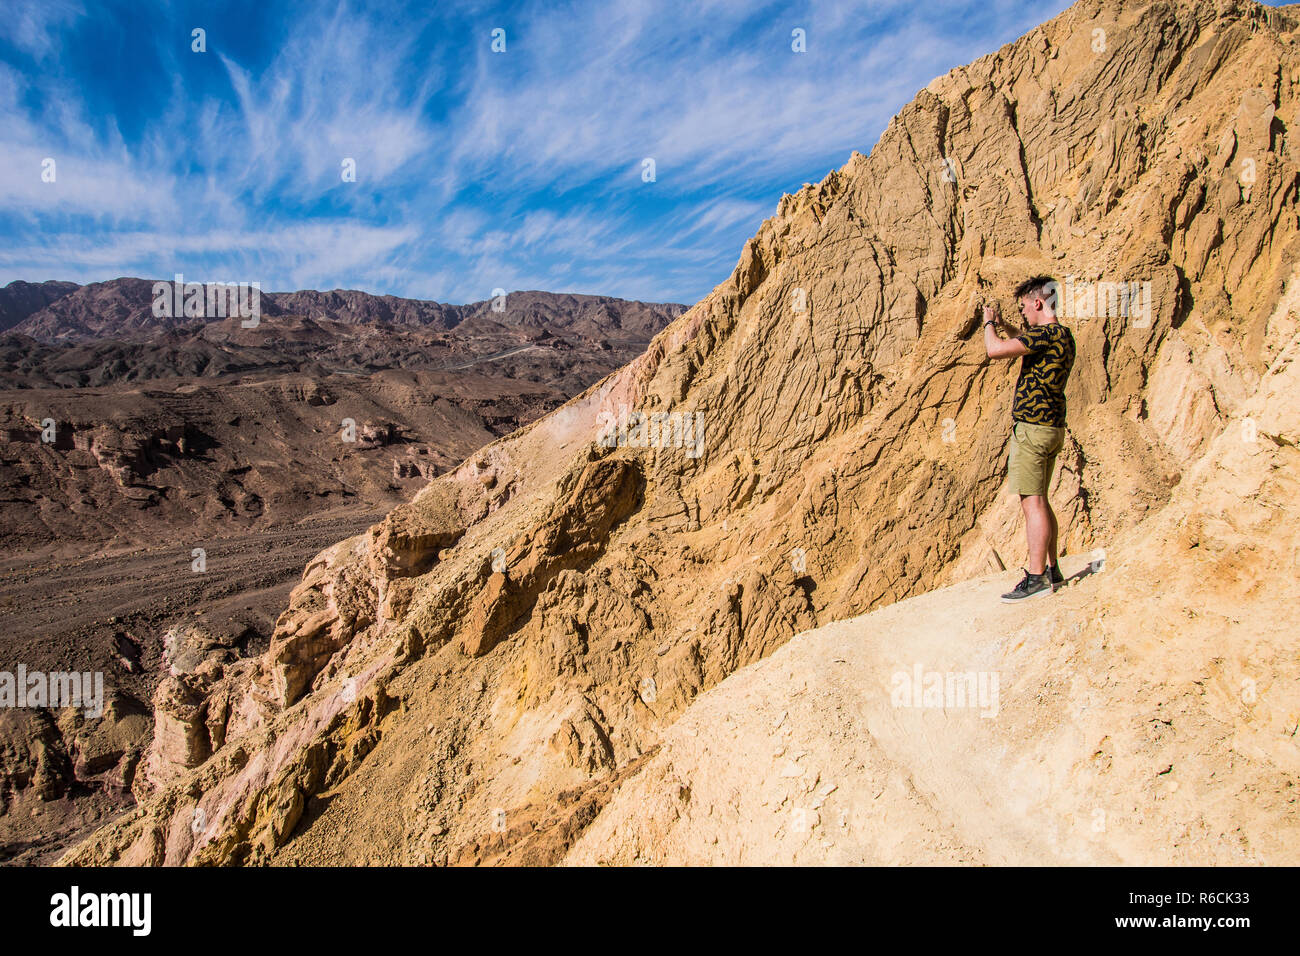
34,27
475,169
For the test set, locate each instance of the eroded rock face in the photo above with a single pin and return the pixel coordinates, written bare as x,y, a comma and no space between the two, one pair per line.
107,750
191,705
531,624
418,463
407,542
1098,730
35,756
44,753
606,492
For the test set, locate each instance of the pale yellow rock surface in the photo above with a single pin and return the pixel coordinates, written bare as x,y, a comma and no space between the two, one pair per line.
1145,714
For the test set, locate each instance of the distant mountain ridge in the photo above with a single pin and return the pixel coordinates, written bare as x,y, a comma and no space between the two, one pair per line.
20,299
61,311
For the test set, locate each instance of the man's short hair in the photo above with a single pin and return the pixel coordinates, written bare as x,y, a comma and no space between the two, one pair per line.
1044,287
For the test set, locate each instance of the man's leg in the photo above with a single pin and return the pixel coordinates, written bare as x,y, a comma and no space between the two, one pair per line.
1052,558
1038,530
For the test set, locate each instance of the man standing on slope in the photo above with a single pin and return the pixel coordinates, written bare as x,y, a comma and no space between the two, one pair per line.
1046,351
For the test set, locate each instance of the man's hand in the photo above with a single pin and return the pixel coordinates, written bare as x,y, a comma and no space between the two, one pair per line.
994,344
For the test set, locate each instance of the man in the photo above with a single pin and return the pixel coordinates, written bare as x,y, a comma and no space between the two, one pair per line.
1046,352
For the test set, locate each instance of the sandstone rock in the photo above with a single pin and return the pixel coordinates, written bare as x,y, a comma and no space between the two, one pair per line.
33,754
408,541
110,746
1100,696
48,754
572,537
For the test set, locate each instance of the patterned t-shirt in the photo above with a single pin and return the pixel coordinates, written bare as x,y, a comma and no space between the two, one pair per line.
1040,390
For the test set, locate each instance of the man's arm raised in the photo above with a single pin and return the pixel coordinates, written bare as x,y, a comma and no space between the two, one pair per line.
996,346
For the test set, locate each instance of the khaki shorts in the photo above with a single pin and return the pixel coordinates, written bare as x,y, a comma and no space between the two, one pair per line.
1033,456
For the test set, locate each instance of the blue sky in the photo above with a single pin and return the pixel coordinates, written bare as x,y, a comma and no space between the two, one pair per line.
475,169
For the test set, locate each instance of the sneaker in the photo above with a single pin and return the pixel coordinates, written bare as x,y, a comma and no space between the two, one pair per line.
1033,585
1057,580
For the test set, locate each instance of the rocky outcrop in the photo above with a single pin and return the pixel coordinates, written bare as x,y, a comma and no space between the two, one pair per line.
43,755
854,439
1103,728
418,463
189,718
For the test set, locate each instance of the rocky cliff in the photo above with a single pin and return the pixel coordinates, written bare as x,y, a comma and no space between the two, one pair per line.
1147,714
474,679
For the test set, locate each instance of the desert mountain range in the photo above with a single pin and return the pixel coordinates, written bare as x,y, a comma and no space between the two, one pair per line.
567,649
128,441
124,308
165,419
